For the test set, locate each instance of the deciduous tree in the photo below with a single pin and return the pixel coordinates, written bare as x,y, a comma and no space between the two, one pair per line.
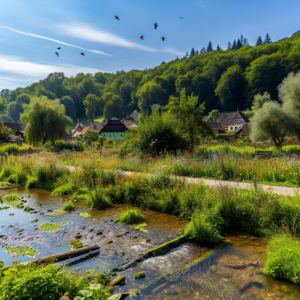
92,103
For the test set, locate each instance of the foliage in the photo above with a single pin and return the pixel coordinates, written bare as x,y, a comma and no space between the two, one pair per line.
91,136
214,115
66,189
201,230
188,114
98,199
12,199
283,258
68,102
131,216
270,121
76,244
5,132
51,227
157,134
91,102
289,94
46,120
21,250
68,207
113,106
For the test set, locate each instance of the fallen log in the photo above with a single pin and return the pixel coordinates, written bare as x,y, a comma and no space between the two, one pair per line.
11,187
61,256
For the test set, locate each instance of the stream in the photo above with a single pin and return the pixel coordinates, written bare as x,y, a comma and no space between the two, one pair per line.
232,272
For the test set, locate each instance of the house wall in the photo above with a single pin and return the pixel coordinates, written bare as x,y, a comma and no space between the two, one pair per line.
117,136
236,123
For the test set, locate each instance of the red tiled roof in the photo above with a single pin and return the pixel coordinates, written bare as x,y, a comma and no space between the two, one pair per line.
82,132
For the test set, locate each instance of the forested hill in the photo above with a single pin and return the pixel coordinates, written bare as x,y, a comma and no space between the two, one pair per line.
223,79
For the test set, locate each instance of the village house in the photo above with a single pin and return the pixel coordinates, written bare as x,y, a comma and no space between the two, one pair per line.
217,127
17,128
114,129
233,122
243,132
80,130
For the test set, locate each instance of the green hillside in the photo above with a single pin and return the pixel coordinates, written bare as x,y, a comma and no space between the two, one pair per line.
221,79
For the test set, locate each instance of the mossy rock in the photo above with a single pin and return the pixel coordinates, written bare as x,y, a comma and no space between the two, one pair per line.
91,230
120,280
109,242
139,275
76,244
78,235
21,250
36,220
51,227
99,232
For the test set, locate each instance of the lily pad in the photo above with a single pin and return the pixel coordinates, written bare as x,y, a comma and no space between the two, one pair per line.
21,250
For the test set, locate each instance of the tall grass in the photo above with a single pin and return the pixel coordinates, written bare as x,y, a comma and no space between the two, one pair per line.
98,199
131,216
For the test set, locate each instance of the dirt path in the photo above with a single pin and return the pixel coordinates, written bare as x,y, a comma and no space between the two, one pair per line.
281,190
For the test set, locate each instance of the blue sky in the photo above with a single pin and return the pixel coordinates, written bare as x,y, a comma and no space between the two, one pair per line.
31,31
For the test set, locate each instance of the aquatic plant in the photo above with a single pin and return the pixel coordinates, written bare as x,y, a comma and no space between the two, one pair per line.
283,258
98,199
21,250
57,212
76,244
86,215
139,275
6,172
68,207
81,194
131,216
51,227
202,231
141,227
12,199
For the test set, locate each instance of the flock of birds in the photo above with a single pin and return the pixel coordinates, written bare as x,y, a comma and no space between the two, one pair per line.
141,37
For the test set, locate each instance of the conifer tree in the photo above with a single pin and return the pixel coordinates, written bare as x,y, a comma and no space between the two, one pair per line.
245,42
229,46
203,50
239,44
259,41
234,45
209,47
267,39
197,52
192,52
218,48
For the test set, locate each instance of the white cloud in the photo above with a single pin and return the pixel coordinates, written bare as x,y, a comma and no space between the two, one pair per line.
14,68
53,40
88,33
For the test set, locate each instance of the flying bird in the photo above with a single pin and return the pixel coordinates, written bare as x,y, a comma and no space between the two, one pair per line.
58,48
155,25
57,54
82,54
142,37
163,38
117,18
181,18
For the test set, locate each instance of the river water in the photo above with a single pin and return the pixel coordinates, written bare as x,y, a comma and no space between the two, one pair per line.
232,272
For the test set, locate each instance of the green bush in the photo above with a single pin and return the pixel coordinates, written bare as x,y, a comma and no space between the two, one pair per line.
81,194
21,176
66,189
202,231
283,260
68,207
4,184
48,283
98,199
131,216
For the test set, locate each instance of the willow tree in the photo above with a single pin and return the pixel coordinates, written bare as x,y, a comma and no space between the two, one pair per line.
46,120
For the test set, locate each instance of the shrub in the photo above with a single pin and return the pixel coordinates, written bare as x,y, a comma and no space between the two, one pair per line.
68,207
202,231
21,176
66,189
131,216
98,199
4,184
283,260
13,148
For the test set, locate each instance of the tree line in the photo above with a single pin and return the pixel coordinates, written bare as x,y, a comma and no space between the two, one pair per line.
223,79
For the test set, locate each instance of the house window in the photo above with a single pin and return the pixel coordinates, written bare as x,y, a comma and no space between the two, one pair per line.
104,134
110,136
235,127
121,134
114,135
